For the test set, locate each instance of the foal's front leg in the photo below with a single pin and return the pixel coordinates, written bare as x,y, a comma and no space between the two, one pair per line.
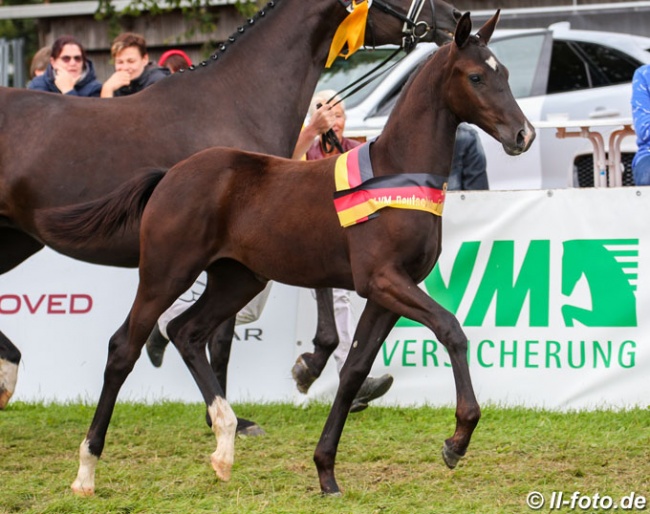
405,298
374,325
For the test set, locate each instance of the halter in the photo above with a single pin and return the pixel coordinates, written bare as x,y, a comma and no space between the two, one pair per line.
412,29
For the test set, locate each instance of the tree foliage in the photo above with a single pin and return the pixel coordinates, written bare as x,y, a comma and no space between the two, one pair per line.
200,15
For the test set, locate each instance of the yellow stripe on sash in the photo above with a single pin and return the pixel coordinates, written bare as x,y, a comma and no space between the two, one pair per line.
432,204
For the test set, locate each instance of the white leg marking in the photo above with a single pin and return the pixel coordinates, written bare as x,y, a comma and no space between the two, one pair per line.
84,485
224,426
8,379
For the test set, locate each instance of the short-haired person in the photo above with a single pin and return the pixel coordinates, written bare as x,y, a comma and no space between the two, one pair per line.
133,70
69,71
39,62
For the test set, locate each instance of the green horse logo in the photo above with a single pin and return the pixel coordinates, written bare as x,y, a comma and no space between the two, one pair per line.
609,266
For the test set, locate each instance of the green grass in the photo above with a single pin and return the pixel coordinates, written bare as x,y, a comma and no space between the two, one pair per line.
156,460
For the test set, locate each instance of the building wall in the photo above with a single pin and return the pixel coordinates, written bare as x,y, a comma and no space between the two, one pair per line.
166,30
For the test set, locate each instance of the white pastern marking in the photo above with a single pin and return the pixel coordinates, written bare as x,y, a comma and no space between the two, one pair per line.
492,63
224,426
84,485
8,379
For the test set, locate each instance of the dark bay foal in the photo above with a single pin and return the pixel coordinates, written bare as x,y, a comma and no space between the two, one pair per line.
247,218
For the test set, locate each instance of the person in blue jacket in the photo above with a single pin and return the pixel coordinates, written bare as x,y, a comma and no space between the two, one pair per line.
641,118
69,72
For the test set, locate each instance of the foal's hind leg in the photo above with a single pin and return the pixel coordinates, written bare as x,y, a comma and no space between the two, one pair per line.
156,292
230,287
123,351
219,346
309,366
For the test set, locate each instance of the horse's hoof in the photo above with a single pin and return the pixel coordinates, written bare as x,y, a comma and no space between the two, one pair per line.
302,375
8,379
4,398
253,430
450,457
155,345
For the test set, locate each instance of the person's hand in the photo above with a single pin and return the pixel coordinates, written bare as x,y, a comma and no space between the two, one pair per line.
322,119
115,81
64,80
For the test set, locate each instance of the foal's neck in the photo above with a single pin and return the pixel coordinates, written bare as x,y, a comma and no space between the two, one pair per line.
420,133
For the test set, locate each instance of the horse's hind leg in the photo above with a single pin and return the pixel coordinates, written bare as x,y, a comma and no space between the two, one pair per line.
309,366
374,325
230,287
9,361
16,247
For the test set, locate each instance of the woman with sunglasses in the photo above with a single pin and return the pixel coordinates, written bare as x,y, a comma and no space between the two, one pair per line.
70,72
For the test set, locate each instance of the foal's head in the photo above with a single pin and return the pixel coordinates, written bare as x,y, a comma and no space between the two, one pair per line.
478,91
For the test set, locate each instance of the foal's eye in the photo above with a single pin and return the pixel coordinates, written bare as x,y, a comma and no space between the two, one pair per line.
475,78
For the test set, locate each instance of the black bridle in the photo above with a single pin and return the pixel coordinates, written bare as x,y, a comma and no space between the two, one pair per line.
412,31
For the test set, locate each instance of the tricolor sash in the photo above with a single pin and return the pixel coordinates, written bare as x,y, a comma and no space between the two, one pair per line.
359,194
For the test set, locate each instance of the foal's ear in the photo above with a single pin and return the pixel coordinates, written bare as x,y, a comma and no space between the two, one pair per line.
463,30
485,32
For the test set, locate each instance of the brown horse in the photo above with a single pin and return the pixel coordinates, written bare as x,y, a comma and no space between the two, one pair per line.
247,218
253,94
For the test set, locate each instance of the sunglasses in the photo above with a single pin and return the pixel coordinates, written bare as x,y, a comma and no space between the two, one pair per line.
67,58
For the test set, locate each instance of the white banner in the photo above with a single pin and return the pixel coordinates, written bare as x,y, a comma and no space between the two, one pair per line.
548,286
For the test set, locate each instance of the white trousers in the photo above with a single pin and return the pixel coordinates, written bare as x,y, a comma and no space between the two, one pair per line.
251,312
345,325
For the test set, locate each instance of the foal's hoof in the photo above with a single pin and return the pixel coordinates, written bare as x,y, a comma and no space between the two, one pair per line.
302,375
336,494
450,457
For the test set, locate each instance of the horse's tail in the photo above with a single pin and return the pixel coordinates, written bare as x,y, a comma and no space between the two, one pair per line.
103,217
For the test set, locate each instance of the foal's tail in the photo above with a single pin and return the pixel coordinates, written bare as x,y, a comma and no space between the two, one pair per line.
104,217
